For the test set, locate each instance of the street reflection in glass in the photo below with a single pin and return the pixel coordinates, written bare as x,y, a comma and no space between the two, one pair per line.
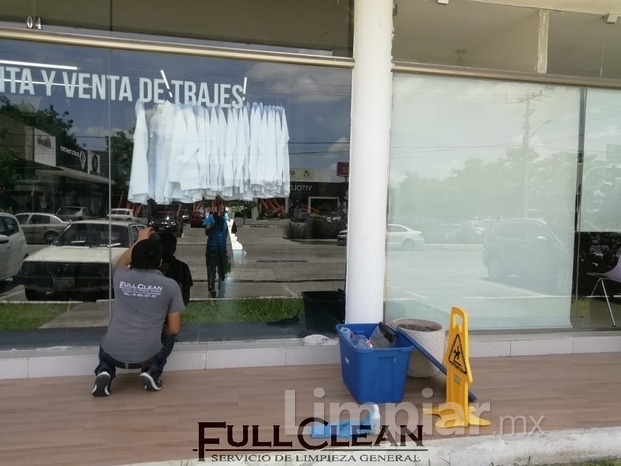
108,142
486,171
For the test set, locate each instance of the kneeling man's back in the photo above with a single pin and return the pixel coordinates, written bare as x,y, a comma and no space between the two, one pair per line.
146,317
143,299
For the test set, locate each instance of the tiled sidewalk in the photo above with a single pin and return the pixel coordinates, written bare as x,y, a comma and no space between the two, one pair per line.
55,421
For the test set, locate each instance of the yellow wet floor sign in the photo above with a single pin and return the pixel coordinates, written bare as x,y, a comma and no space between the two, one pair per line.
456,412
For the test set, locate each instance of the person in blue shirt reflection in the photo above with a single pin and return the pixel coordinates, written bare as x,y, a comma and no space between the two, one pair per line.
216,258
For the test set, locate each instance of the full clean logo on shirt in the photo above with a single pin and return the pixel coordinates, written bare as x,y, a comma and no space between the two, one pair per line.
140,290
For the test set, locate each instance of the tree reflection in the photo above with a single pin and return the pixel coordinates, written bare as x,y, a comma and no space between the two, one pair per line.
48,120
15,162
489,190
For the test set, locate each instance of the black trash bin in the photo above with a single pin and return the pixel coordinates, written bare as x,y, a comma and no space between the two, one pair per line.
323,310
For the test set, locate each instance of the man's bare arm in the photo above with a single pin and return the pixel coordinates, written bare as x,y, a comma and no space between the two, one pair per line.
172,326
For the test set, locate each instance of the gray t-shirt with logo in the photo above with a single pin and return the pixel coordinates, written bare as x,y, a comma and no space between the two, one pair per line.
142,300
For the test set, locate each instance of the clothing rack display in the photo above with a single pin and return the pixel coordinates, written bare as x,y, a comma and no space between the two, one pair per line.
187,153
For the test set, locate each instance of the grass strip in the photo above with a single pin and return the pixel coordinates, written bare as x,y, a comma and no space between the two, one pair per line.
241,310
20,316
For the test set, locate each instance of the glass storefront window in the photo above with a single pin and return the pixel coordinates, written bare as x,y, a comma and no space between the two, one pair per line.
483,192
318,27
599,236
86,131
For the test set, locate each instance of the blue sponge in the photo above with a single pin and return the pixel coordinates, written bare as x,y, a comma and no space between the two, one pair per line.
342,429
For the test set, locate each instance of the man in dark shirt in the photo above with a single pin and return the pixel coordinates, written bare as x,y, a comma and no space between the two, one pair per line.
173,267
146,317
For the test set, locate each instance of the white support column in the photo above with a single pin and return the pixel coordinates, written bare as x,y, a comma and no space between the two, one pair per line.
369,158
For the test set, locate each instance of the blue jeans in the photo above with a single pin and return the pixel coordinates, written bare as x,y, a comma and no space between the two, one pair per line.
156,364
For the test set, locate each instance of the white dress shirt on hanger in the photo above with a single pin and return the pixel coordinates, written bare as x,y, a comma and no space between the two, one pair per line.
139,177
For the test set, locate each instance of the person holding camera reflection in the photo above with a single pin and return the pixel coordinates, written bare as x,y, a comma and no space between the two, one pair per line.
216,258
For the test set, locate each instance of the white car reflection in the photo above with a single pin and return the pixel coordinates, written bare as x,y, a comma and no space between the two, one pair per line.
124,215
12,247
78,262
397,236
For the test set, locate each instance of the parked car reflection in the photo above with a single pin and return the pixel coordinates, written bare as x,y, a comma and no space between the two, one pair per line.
12,247
468,232
78,262
398,236
530,250
76,213
124,214
167,220
196,219
41,228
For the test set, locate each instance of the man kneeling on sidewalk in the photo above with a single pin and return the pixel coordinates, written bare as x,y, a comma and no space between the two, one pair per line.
146,317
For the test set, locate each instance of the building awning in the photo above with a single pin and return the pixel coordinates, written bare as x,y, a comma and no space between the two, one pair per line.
69,173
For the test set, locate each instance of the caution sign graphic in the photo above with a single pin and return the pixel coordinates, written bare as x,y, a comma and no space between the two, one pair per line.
457,357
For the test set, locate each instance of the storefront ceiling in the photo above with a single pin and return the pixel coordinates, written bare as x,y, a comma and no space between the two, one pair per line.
580,44
76,175
499,36
431,33
317,24
582,6
584,45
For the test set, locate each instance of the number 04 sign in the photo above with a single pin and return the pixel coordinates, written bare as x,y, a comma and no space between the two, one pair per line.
34,22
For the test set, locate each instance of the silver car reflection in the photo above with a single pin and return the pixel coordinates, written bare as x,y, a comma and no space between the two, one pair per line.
41,228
